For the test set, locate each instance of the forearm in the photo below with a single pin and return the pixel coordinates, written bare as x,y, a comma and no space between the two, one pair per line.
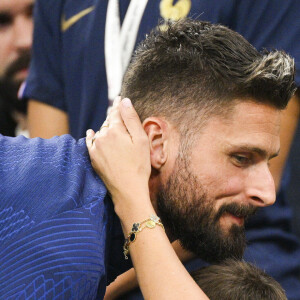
120,154
123,284
160,273
46,121
127,281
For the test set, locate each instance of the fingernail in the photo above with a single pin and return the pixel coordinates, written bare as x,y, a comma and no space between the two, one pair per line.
126,102
88,132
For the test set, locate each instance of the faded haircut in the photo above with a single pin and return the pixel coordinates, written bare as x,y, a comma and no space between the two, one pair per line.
193,66
234,279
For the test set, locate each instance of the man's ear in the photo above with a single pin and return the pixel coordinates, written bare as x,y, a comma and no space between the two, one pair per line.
158,134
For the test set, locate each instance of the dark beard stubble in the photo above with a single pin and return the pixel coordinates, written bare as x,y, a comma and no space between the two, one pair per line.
190,217
9,87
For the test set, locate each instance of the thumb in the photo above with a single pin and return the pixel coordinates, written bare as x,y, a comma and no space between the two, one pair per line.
131,118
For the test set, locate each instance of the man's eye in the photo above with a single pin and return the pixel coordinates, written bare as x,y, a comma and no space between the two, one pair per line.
241,160
5,20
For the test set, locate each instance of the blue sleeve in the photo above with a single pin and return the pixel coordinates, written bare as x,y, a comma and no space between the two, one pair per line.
54,220
270,24
273,247
44,82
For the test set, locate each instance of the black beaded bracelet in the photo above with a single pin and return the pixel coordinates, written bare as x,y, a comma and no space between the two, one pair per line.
138,227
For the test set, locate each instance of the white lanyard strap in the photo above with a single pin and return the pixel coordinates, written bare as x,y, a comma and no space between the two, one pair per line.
119,43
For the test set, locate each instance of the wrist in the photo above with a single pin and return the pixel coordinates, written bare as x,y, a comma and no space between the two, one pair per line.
132,201
132,213
151,222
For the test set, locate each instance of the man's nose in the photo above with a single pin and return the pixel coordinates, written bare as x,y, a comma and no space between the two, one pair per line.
260,186
23,31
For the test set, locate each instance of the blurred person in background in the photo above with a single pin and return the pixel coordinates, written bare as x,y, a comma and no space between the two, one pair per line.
16,26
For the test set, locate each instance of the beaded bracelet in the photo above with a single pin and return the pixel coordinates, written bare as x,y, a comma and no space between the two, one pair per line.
138,227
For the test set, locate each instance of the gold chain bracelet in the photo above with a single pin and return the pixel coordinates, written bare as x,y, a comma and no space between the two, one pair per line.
138,227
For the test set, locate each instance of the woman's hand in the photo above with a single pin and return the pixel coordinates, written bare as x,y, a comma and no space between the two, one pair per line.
120,154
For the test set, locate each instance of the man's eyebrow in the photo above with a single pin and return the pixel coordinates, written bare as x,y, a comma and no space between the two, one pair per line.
259,151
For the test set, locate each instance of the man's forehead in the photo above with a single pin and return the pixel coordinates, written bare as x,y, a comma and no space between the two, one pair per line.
249,124
242,114
250,112
13,6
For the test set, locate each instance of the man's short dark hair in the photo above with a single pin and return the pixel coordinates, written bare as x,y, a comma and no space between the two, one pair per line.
233,279
194,66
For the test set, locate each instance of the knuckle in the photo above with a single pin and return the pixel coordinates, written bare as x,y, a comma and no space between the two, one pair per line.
113,133
131,117
98,143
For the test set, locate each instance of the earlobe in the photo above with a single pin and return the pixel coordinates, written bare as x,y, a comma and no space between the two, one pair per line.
157,131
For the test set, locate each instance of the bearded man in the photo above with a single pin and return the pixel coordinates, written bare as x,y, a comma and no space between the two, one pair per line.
16,27
210,105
